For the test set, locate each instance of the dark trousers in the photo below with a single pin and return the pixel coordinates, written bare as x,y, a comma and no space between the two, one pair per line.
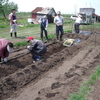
76,27
45,31
59,28
4,54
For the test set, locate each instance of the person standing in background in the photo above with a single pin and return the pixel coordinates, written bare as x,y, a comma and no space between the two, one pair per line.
58,20
13,22
77,23
43,26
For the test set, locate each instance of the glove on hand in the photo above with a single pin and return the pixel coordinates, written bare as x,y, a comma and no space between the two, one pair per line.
46,28
28,47
5,59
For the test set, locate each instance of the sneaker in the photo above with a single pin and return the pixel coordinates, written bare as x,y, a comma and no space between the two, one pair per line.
35,61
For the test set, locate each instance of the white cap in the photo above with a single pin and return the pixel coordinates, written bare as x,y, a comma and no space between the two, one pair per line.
58,12
45,16
9,48
79,15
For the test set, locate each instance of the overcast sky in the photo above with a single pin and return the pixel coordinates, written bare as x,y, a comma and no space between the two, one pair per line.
65,6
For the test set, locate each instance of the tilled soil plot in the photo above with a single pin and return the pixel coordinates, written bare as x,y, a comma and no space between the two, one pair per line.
56,76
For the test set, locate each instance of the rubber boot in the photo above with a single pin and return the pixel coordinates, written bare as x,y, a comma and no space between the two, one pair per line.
10,34
46,35
61,38
15,34
57,38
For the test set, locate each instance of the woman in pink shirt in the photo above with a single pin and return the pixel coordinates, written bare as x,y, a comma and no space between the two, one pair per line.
13,22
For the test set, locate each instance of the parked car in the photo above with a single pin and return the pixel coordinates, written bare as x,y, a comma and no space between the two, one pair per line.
73,17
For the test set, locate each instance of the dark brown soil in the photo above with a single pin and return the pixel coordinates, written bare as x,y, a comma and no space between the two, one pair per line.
65,68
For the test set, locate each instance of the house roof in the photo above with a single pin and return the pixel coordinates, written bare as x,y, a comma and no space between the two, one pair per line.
41,10
37,9
96,15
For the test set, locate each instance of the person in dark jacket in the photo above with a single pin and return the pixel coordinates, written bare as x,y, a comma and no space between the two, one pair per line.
43,26
5,48
37,48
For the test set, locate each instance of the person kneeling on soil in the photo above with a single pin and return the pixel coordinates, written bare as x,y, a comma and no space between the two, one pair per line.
6,47
37,48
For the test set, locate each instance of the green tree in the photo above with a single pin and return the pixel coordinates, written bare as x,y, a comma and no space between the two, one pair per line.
6,6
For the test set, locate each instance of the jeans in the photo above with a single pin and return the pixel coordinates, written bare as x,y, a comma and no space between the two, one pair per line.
45,31
76,27
59,28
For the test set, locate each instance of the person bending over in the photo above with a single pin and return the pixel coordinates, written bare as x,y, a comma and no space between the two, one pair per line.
6,47
37,48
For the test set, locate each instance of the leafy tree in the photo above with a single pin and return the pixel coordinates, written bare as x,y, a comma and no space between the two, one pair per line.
6,6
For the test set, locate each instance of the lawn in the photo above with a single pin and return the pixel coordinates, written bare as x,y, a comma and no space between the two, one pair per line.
25,29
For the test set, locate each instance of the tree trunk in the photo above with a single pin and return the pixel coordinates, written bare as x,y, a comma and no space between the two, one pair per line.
4,14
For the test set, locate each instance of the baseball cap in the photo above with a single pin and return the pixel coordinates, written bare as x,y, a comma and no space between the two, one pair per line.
79,15
45,16
30,38
58,12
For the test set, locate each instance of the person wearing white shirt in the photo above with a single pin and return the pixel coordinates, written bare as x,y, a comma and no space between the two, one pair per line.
58,20
77,23
44,25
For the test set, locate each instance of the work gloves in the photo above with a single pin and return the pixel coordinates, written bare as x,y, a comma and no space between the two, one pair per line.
46,28
28,47
5,59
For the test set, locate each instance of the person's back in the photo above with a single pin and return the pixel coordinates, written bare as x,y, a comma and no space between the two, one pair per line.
3,43
38,46
78,20
5,48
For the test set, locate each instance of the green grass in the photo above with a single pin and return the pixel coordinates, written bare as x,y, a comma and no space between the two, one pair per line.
86,87
23,43
34,29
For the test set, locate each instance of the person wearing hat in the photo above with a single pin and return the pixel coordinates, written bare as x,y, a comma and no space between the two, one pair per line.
37,48
43,26
6,47
58,20
77,23
13,22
